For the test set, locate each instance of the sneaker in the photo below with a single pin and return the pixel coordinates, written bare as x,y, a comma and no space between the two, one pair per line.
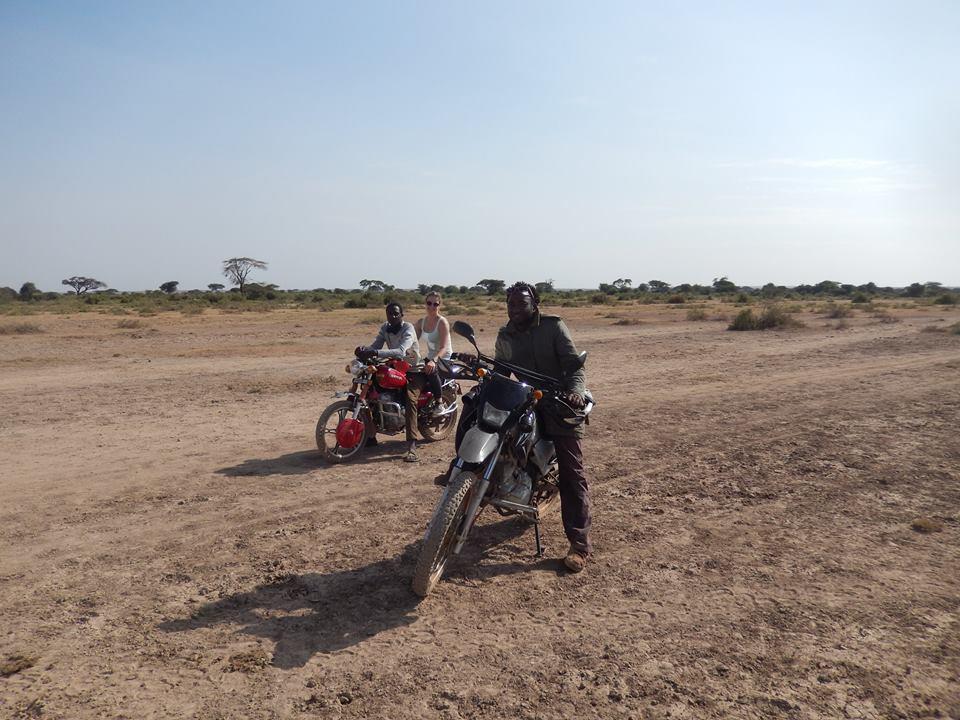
411,456
575,560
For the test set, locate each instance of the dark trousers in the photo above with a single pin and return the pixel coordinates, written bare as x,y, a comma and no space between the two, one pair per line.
415,382
574,493
433,383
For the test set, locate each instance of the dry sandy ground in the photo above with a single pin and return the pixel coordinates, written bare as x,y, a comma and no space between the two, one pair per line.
172,545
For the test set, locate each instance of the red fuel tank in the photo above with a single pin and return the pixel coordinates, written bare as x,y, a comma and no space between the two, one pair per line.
392,378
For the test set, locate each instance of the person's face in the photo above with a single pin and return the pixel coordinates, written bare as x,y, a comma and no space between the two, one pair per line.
520,307
394,316
433,305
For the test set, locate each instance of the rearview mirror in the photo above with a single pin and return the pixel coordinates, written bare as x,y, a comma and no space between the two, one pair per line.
463,329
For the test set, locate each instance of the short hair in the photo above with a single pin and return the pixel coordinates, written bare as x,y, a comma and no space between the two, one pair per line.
433,293
395,304
524,287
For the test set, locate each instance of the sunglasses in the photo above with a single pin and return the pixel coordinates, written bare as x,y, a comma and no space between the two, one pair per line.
433,304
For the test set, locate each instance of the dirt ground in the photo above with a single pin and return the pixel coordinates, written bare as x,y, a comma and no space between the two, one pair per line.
777,529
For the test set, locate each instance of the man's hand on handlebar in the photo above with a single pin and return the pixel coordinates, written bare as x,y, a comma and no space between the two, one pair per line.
364,353
574,400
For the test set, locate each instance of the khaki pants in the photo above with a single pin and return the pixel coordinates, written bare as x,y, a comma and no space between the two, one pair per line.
415,385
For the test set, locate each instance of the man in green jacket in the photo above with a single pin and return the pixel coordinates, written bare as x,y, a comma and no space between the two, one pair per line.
543,344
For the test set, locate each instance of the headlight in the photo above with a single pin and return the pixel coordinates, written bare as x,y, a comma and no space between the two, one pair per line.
492,416
356,367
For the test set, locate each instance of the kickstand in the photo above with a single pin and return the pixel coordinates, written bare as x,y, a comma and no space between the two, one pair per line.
536,535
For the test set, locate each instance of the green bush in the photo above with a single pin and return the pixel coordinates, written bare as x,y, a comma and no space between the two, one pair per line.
860,297
773,316
354,303
676,300
745,320
696,314
946,299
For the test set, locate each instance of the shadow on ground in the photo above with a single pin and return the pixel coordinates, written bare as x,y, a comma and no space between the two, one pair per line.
308,614
308,461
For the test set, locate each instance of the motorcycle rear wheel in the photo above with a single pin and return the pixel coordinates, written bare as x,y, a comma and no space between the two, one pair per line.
438,428
327,433
442,533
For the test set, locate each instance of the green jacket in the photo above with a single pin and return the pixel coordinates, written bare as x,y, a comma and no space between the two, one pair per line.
545,347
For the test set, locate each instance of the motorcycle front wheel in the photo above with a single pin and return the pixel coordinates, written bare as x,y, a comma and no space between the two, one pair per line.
442,533
327,425
437,428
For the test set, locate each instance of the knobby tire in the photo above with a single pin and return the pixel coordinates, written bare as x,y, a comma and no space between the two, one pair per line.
441,534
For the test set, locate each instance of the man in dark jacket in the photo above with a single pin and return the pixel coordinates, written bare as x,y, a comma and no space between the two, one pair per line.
542,344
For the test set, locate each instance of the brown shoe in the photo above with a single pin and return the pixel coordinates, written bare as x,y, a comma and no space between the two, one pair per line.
575,560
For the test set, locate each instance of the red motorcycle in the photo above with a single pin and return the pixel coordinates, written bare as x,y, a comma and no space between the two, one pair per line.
376,403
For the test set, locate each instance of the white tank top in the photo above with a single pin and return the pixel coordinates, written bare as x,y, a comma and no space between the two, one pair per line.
432,340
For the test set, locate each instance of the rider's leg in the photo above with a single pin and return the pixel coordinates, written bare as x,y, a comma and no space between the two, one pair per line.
574,493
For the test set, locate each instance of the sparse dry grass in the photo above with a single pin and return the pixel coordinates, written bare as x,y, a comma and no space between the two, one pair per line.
24,328
130,324
884,316
698,313
926,525
834,310
12,664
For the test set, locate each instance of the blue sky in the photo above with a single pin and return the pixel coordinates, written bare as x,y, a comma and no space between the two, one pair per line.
449,142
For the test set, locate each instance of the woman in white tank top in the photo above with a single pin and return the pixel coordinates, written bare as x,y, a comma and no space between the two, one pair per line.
433,332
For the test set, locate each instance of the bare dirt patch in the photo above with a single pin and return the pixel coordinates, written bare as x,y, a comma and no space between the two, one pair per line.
172,545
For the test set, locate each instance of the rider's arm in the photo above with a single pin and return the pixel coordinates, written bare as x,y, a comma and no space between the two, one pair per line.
443,337
407,338
502,351
380,340
567,355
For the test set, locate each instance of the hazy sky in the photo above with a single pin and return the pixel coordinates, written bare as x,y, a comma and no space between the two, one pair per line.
422,142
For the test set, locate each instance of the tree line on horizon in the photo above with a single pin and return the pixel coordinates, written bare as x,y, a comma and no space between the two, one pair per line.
371,292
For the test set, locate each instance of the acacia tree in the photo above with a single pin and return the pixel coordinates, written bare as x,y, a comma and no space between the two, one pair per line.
724,285
81,284
215,287
170,287
492,287
239,268
374,285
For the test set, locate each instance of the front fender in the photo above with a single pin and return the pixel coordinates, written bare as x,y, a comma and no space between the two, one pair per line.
477,445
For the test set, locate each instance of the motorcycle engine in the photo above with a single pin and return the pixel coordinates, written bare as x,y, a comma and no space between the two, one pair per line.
388,396
389,411
516,486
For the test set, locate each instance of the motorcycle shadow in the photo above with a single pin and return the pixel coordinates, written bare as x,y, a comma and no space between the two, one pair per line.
308,461
313,613
504,547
